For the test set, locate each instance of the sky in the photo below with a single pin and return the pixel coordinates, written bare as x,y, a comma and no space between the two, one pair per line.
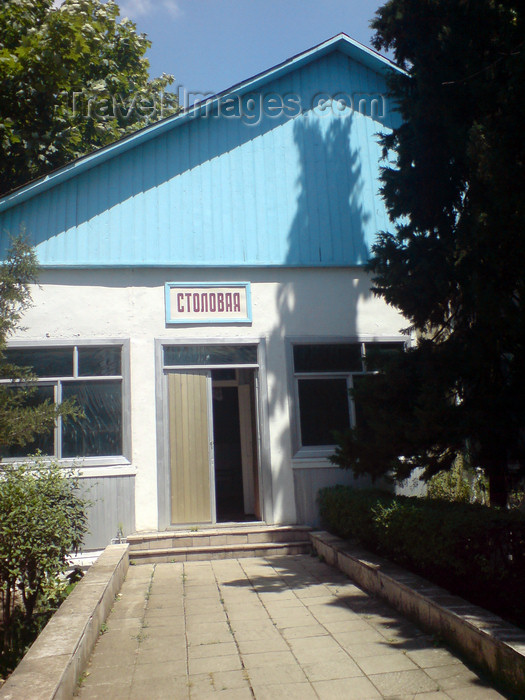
210,45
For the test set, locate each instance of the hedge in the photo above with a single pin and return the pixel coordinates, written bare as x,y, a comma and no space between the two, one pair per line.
474,551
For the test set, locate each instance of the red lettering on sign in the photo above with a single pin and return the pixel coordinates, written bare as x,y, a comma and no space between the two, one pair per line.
197,302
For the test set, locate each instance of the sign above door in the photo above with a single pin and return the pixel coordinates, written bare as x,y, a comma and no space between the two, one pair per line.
208,302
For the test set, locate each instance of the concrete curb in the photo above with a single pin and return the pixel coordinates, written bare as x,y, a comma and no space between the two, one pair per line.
51,668
485,639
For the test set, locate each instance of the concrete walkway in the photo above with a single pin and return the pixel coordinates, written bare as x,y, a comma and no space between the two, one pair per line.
282,627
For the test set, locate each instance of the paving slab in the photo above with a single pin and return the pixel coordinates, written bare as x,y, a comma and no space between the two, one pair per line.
291,691
263,628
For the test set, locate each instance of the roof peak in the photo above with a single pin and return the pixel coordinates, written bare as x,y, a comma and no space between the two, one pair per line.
340,42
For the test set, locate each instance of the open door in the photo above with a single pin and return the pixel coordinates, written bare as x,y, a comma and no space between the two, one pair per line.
235,445
191,440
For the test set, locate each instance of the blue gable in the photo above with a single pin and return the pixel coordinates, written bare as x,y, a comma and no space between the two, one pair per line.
280,171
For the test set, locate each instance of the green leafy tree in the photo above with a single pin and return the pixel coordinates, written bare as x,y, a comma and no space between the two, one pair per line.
42,515
455,263
72,79
42,519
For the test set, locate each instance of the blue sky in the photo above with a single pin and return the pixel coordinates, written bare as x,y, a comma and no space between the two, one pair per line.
209,45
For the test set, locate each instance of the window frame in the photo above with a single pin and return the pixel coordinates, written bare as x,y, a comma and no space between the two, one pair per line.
316,452
123,377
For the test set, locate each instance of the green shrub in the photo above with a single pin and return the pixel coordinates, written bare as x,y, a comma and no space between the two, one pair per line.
42,519
460,483
470,549
517,498
450,485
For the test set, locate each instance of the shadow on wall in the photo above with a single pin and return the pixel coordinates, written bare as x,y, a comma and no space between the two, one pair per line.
327,162
195,186
135,172
337,221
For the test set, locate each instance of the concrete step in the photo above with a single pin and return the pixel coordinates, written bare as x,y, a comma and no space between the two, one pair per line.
219,543
227,551
218,536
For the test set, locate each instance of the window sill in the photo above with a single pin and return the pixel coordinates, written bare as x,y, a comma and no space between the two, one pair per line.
93,471
93,467
317,454
95,461
87,467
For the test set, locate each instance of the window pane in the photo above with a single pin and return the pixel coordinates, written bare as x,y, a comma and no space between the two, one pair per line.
46,362
361,381
45,441
323,407
96,362
378,353
99,433
210,355
362,385
327,358
223,374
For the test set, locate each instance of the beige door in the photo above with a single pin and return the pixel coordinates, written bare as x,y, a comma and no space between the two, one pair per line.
191,442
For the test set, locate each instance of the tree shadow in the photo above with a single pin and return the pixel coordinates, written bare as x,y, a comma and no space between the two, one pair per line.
332,222
396,632
331,216
135,172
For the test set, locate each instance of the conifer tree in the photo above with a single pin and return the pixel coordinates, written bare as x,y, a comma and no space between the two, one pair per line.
454,263
22,419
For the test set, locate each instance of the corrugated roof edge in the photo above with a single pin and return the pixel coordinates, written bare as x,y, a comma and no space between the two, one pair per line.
340,42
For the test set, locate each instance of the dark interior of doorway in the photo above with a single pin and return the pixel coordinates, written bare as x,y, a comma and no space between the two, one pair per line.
229,493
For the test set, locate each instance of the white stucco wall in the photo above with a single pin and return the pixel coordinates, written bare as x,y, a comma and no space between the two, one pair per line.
78,305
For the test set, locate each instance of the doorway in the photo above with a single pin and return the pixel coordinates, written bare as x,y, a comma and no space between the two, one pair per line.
213,445
235,445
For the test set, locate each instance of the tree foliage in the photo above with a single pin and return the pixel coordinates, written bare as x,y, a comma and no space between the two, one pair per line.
72,79
42,515
454,264
42,519
21,418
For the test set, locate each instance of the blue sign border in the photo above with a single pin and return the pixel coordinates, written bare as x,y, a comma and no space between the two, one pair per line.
209,320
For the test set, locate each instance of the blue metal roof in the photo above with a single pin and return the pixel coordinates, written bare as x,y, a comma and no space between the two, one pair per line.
212,188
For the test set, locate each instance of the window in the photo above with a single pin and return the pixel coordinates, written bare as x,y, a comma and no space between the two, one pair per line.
90,374
324,373
195,355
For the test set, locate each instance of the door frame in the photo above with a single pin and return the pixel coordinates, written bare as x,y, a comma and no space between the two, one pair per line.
162,422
